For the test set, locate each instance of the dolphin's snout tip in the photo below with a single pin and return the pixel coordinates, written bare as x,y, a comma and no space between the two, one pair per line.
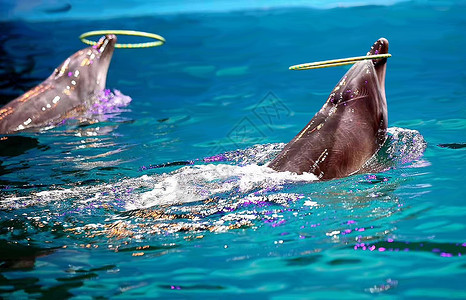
106,42
111,37
379,47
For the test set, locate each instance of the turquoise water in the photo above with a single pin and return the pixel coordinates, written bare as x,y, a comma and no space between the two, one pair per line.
90,211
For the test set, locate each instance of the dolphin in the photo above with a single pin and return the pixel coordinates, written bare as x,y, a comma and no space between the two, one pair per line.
68,92
348,130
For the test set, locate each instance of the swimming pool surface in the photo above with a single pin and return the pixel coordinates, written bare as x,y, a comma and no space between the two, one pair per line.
97,211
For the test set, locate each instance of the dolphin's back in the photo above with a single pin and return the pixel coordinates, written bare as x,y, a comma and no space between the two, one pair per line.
41,106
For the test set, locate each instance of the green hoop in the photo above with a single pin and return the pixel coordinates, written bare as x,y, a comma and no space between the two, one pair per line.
159,39
337,62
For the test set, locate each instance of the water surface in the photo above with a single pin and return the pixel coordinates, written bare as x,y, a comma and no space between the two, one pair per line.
90,211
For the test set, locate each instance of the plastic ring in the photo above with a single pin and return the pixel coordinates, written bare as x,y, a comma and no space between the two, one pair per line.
337,62
159,39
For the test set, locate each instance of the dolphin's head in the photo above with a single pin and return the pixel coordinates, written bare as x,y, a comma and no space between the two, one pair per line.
359,98
349,128
380,64
104,49
70,89
86,70
366,79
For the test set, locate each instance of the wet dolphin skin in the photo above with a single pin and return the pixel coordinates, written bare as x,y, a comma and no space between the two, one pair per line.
67,92
348,130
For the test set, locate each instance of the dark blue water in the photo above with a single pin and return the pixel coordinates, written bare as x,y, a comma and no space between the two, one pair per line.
85,214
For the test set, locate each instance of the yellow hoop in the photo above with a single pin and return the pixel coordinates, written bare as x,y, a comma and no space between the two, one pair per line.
159,39
337,62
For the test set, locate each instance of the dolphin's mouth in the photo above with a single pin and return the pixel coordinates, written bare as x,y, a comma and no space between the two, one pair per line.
106,44
380,64
379,47
104,47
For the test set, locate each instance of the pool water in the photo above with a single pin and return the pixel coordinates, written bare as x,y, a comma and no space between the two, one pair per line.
168,195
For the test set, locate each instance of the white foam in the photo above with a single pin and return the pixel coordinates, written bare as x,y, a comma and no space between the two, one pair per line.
195,183
241,175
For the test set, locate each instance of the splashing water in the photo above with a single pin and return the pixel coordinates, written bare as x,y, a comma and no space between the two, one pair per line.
107,104
102,107
206,196
197,183
403,148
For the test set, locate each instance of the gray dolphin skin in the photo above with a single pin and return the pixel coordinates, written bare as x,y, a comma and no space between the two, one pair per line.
67,93
348,130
